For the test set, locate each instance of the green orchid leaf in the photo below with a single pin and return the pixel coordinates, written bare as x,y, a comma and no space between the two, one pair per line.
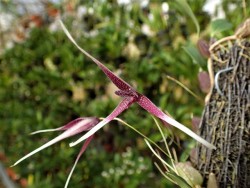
219,25
184,7
194,53
179,180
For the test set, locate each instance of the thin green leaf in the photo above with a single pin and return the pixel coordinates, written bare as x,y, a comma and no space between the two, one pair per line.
219,25
184,7
179,180
158,156
184,87
194,53
163,173
165,142
145,137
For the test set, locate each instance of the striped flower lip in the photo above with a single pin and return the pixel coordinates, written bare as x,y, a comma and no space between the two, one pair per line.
72,128
129,96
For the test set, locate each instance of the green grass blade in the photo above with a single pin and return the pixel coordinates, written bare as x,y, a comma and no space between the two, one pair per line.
158,156
184,7
145,137
166,145
179,180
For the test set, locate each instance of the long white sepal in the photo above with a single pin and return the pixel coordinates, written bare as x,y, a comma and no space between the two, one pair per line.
188,131
51,142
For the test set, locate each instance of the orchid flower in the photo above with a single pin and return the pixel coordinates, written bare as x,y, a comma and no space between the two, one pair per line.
72,128
129,96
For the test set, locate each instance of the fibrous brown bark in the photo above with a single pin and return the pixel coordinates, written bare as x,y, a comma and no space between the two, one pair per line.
225,120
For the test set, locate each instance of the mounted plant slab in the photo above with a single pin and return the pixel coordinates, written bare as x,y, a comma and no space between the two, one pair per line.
226,117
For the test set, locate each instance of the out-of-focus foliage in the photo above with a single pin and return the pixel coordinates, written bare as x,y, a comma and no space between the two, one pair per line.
219,26
45,82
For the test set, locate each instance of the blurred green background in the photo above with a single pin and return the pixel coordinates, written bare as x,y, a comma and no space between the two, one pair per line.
46,82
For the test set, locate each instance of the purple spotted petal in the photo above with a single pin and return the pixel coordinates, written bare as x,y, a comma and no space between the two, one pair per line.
121,84
73,130
145,103
124,104
85,145
93,121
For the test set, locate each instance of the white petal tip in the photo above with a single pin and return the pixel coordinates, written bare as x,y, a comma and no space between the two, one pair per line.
45,130
19,161
16,163
36,132
187,131
207,144
72,144
213,147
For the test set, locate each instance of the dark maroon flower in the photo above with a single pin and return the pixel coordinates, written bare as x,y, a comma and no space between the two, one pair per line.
130,96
